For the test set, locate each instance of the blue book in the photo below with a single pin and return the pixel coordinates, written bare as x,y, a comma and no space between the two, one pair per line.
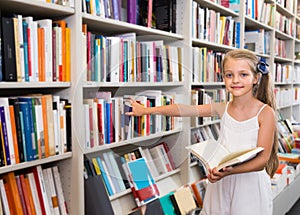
5,137
24,107
32,123
104,176
142,178
25,45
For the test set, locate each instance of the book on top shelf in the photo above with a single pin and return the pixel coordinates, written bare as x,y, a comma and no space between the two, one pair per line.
213,154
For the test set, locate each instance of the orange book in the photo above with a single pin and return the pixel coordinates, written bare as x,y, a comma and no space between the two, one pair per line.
27,193
68,55
12,190
46,151
9,198
41,54
62,69
14,132
198,188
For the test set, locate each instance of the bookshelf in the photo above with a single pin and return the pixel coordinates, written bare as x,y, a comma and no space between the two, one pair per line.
71,164
40,10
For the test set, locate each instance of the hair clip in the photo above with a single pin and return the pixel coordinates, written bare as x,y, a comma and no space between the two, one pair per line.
262,67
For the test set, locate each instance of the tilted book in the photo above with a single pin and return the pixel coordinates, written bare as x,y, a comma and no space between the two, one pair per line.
213,154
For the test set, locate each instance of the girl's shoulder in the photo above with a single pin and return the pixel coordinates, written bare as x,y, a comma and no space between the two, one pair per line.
219,108
266,113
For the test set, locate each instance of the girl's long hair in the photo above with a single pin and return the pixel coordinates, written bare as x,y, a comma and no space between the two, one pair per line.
264,92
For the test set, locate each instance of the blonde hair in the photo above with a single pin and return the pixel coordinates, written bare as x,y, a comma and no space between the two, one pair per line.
263,91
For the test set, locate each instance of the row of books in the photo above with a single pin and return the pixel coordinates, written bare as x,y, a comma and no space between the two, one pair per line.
33,127
284,24
286,136
67,3
116,174
122,58
206,65
156,14
201,96
258,41
36,190
286,96
35,50
285,73
281,48
210,25
106,120
187,199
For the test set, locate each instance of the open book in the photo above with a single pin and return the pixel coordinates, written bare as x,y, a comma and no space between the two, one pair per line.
213,154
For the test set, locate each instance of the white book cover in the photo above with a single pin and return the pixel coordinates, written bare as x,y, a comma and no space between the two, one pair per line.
59,191
158,160
32,42
4,198
34,192
48,191
114,60
111,172
43,189
34,48
47,25
117,117
150,161
116,170
87,126
21,46
53,195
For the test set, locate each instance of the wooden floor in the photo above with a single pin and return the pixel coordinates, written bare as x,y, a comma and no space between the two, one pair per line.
295,210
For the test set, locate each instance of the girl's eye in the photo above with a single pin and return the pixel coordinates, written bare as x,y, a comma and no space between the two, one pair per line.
228,75
244,74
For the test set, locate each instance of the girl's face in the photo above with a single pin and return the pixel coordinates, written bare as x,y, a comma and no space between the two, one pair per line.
238,77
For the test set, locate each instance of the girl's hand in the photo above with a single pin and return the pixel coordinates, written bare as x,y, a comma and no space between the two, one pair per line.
137,109
214,175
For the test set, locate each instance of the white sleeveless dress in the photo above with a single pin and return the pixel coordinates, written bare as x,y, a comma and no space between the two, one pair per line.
245,193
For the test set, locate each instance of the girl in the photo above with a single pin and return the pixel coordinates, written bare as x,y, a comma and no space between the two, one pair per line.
248,120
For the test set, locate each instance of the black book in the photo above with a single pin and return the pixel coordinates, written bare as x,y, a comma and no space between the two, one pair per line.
162,14
14,101
9,69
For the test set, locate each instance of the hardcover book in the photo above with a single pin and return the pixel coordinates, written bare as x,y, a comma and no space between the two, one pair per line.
213,154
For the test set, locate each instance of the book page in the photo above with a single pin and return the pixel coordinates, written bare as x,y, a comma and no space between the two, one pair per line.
210,152
239,157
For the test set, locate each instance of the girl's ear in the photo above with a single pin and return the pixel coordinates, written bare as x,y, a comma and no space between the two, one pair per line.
257,78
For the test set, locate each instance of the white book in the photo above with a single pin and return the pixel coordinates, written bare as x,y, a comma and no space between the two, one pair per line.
21,46
213,154
117,117
34,192
158,160
48,191
40,129
59,191
150,161
62,128
111,172
4,198
43,189
52,191
114,60
87,125
116,170
56,123
34,48
46,24
32,45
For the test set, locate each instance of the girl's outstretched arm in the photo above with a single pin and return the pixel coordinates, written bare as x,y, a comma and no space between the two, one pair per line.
171,110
